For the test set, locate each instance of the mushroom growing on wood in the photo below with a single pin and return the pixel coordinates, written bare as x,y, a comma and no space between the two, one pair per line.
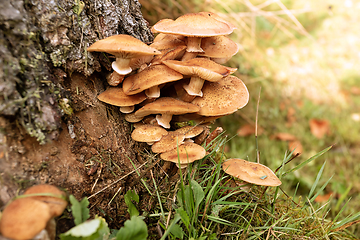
168,142
116,96
251,172
223,97
200,69
219,48
149,79
124,48
167,107
148,133
185,153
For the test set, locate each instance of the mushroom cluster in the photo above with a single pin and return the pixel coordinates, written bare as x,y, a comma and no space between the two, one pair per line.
32,214
177,78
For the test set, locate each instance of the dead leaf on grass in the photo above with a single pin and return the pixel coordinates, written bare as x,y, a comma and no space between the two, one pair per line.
319,127
323,198
291,118
295,144
283,137
248,130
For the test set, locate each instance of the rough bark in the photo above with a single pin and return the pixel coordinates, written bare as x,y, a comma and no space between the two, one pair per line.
52,127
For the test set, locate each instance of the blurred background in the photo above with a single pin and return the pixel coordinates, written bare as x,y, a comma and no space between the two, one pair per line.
303,58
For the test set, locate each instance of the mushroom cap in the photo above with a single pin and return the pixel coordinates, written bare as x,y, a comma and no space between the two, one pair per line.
116,96
219,47
57,203
166,105
188,153
203,24
130,117
24,218
201,67
148,133
190,131
222,97
251,172
122,46
169,54
168,142
149,77
165,41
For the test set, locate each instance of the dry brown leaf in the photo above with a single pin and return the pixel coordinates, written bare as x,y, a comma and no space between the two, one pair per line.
323,198
248,130
319,127
283,137
355,90
290,116
295,144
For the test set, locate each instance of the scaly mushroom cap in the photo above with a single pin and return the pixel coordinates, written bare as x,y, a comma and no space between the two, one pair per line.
168,142
116,96
24,218
203,24
57,202
188,153
251,172
219,48
201,67
190,131
167,41
222,97
123,47
167,107
150,77
148,133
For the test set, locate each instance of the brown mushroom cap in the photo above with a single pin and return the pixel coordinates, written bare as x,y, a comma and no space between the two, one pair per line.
116,96
190,131
168,142
219,48
169,54
148,133
57,202
194,26
123,47
167,41
188,153
222,97
150,77
251,172
24,218
167,107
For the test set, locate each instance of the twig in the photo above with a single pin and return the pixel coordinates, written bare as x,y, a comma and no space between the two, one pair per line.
256,128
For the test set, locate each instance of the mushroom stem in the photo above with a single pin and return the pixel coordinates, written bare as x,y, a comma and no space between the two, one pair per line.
188,56
194,45
194,87
153,92
164,120
115,79
122,66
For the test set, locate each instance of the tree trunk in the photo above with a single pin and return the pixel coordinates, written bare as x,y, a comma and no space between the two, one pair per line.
52,127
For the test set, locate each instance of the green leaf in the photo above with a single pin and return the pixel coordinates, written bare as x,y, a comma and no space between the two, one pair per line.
79,209
184,216
95,229
134,229
198,193
129,196
177,231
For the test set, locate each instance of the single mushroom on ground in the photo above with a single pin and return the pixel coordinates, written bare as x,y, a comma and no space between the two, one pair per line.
251,172
199,69
124,48
148,133
223,97
166,107
184,154
194,26
116,96
149,80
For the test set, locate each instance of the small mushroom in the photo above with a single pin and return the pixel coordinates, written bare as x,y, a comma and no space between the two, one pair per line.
200,69
251,172
167,107
168,142
116,96
148,133
24,218
190,131
185,153
149,79
223,97
124,48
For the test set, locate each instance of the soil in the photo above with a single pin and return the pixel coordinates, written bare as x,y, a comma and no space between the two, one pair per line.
92,151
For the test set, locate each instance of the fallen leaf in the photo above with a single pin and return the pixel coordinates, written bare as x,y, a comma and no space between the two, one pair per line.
248,130
319,127
295,144
323,198
355,90
290,116
283,137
